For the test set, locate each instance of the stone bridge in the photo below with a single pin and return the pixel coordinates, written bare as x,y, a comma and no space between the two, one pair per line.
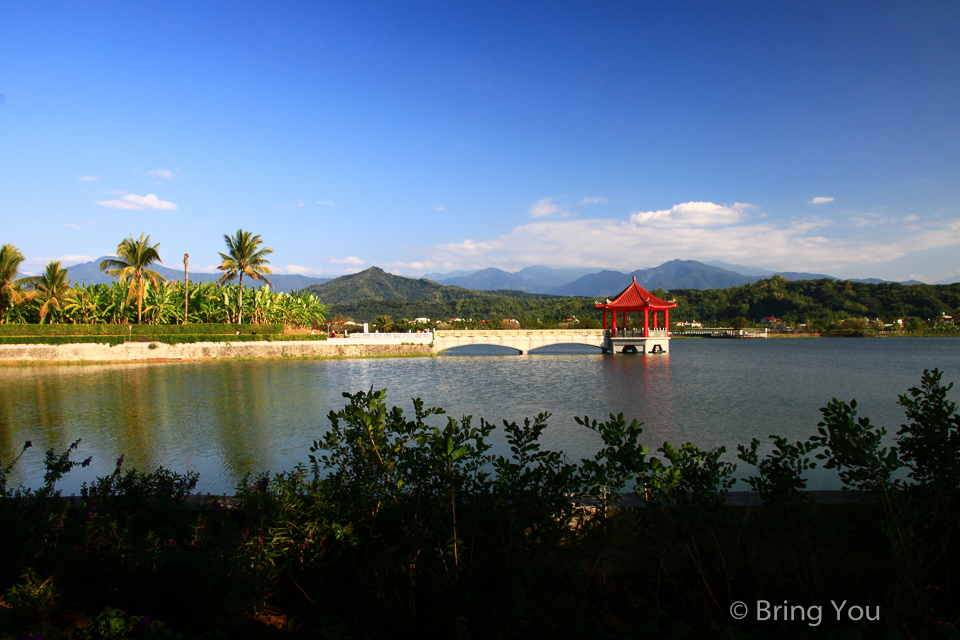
523,340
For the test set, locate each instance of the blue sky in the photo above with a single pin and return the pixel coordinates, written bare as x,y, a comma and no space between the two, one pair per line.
424,137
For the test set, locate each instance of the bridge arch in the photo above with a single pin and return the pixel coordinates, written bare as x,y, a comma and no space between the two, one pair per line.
521,340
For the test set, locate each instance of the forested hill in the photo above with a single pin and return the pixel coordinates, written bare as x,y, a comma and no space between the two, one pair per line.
817,300
374,292
375,284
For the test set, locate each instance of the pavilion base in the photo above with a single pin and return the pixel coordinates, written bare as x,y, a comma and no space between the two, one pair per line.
636,345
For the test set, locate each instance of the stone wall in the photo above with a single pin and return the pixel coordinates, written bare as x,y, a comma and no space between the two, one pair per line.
142,351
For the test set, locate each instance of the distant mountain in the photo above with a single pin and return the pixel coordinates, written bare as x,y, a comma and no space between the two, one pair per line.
676,274
488,279
437,277
376,284
89,273
535,279
690,274
803,275
605,283
739,268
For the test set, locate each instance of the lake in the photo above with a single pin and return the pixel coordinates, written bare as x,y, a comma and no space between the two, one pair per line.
225,419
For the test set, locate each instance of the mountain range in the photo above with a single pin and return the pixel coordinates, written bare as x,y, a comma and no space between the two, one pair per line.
675,274
376,284
89,273
536,281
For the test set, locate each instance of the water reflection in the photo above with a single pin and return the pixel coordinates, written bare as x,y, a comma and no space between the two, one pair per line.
225,419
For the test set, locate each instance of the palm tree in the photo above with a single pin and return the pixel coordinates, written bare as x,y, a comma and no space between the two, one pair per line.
11,294
133,258
243,257
383,323
52,288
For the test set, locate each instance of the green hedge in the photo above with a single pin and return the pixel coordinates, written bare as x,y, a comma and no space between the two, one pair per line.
136,329
111,340
165,339
234,338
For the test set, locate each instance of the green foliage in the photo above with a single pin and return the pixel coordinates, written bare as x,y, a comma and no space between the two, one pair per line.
930,444
383,324
244,257
50,290
815,301
853,446
22,330
11,291
408,525
207,304
781,473
134,255
621,461
825,302
699,478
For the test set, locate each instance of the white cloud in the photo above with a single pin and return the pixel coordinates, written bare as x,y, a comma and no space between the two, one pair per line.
194,268
597,200
88,178
67,261
544,207
702,214
166,174
325,203
89,222
820,200
911,218
76,227
297,270
352,260
439,208
421,266
470,248
134,202
696,231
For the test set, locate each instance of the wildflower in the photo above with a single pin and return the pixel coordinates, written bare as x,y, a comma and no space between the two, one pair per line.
245,533
86,463
261,484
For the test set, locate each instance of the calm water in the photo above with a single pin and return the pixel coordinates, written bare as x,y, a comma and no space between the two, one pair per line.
224,419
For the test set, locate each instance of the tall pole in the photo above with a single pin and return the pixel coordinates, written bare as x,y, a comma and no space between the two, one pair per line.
186,286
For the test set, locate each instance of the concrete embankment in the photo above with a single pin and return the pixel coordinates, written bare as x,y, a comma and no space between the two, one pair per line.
158,352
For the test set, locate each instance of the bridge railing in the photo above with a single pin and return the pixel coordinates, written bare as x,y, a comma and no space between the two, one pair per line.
524,333
389,337
638,333
719,331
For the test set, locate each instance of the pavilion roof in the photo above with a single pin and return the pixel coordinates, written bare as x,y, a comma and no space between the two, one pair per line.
635,298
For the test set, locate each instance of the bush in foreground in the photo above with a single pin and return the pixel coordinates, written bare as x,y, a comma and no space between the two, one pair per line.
406,525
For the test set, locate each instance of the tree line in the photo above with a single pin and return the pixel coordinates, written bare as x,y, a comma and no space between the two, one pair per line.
142,295
819,304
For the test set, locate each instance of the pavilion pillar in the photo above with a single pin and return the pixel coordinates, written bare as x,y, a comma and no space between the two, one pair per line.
666,321
646,323
626,324
655,314
604,318
614,323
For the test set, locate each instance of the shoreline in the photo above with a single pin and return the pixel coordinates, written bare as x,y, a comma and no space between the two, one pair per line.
20,355
94,353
